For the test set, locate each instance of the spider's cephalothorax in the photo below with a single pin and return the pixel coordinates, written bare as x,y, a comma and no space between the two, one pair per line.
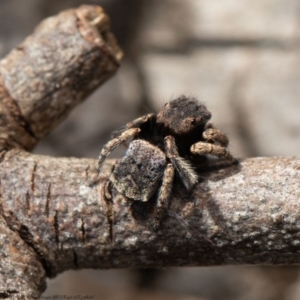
183,116
171,141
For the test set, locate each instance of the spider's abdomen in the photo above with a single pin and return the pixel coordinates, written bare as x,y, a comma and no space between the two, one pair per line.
138,175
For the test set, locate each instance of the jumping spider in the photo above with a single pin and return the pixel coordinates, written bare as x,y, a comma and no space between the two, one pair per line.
177,139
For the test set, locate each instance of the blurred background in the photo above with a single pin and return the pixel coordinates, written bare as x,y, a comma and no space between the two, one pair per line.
241,58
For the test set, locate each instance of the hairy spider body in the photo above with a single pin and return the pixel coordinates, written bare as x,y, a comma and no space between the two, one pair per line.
176,140
139,172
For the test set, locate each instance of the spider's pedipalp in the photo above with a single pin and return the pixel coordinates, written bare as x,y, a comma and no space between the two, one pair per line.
213,135
164,195
183,167
202,148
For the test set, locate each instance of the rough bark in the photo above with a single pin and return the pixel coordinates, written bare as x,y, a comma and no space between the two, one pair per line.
246,214
64,60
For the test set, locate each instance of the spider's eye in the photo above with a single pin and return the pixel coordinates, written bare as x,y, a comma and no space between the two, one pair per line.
193,122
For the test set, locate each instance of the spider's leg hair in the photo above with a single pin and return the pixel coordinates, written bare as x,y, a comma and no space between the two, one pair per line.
164,195
186,172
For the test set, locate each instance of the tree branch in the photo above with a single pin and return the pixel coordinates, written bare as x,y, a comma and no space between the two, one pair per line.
246,214
58,66
64,60
52,220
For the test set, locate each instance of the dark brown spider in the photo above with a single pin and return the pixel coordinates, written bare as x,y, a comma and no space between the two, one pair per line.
177,139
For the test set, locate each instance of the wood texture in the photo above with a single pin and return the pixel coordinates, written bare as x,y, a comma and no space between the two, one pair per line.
63,61
246,214
66,58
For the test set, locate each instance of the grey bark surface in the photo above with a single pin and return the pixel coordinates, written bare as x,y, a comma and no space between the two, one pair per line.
246,214
66,58
58,66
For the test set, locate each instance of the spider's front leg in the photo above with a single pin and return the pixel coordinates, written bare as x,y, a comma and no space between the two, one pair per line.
185,170
164,195
213,135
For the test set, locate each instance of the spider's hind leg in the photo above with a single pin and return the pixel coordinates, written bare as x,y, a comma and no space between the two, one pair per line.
164,195
137,123
122,135
110,146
